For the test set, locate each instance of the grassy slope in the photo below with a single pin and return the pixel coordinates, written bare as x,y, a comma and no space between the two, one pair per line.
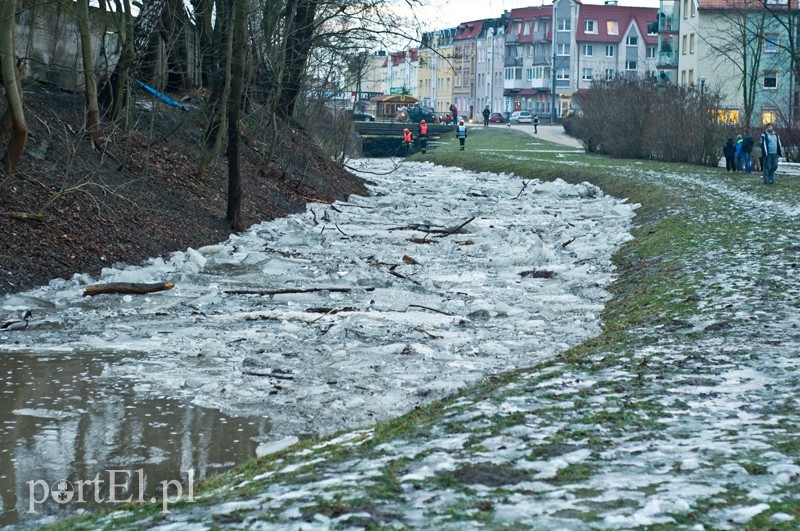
660,276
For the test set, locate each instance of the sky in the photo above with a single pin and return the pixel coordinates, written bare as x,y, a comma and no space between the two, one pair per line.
441,13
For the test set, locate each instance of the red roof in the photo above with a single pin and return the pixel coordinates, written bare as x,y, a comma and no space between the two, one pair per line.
530,14
624,16
469,30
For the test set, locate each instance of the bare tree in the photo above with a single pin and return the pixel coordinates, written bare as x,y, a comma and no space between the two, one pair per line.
14,119
735,41
239,48
90,80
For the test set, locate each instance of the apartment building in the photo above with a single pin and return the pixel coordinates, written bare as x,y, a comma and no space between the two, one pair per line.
436,74
734,47
528,60
489,66
465,55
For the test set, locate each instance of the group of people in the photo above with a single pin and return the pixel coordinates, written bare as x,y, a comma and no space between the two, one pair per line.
738,154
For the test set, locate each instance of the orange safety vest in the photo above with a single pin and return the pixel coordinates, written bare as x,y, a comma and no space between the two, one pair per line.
406,136
423,129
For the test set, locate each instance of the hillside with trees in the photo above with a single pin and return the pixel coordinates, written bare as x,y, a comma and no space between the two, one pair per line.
189,122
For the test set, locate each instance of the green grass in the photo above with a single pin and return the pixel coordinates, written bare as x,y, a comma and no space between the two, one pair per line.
660,280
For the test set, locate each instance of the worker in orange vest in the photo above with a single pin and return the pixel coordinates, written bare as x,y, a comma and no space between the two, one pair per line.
423,136
408,141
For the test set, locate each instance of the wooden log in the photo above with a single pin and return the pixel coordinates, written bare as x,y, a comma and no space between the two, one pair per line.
290,291
126,288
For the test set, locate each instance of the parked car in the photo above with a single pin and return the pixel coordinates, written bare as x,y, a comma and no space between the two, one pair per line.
363,116
496,118
521,117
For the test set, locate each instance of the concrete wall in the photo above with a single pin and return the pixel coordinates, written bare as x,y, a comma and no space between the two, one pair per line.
48,42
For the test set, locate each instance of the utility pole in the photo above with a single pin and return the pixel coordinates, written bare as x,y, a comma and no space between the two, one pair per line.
553,95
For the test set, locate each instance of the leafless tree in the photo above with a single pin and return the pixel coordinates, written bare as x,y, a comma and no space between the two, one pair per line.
14,119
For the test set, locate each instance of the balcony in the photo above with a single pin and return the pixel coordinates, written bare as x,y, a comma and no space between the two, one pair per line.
512,38
668,59
540,83
669,24
516,84
513,61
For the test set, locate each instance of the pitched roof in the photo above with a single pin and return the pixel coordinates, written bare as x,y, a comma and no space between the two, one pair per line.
640,16
469,30
530,14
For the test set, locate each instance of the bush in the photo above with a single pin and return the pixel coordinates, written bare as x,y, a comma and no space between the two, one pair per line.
666,122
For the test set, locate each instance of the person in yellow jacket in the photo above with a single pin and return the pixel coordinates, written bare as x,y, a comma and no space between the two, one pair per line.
408,142
423,136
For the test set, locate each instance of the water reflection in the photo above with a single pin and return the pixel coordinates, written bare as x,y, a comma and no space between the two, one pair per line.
63,420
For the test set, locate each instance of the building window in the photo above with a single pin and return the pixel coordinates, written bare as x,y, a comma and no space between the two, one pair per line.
691,43
691,6
541,25
691,77
526,30
587,74
683,77
588,50
685,9
651,52
685,37
770,79
609,50
769,116
612,27
510,73
517,27
562,74
630,65
590,26
609,74
529,72
771,42
563,49
564,24
632,41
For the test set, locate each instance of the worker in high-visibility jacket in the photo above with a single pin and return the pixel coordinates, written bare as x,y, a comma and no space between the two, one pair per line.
461,133
423,136
408,141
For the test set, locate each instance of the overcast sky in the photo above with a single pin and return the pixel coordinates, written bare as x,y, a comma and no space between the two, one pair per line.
444,13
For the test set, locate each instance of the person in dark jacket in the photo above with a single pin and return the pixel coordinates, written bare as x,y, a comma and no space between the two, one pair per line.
771,150
729,150
535,124
747,149
486,113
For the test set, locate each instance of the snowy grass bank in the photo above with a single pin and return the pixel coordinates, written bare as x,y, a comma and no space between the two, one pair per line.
681,414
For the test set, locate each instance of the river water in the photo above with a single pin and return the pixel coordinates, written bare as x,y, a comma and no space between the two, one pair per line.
62,419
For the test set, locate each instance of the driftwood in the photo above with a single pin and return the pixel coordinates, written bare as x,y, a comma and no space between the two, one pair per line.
127,288
292,290
427,229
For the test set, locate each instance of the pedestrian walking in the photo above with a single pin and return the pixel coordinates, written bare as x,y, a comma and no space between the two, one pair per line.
747,149
535,124
771,149
486,113
461,133
729,150
423,136
408,141
454,113
739,155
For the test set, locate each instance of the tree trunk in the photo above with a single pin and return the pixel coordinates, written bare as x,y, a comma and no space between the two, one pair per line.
202,20
93,110
114,93
239,31
173,33
220,91
298,46
8,67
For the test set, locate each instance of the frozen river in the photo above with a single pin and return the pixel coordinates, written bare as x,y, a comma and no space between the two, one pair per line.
437,280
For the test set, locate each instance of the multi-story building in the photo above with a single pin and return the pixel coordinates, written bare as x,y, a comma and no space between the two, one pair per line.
596,42
737,49
528,60
402,72
465,50
435,80
489,65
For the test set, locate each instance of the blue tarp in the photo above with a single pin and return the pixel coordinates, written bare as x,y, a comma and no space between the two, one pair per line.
165,98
